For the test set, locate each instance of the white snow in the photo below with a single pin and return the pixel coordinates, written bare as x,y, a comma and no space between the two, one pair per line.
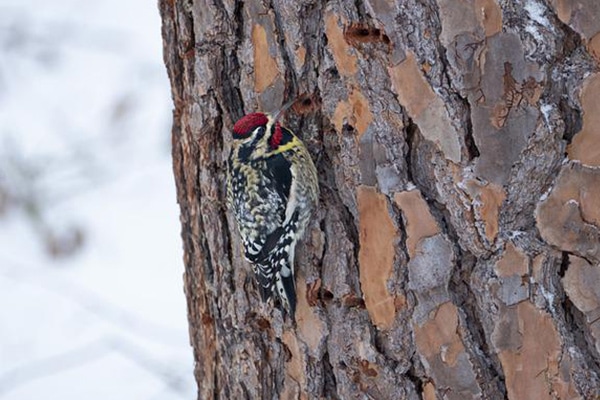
545,195
85,113
546,112
536,13
549,296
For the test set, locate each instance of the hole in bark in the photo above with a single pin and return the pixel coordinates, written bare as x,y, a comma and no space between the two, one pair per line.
326,295
335,74
358,33
351,300
262,323
362,32
307,103
348,129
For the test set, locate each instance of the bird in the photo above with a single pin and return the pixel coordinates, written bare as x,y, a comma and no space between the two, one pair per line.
272,190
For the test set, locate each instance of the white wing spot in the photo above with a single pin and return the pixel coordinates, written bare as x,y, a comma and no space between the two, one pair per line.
285,271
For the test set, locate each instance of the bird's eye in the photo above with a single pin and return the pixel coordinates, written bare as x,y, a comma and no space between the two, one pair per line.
259,133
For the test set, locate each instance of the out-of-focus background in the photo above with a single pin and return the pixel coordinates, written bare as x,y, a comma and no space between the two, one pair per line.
91,298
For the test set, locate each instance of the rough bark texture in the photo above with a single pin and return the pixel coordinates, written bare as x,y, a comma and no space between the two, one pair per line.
455,253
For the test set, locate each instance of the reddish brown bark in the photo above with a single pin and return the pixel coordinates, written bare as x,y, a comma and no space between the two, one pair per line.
455,251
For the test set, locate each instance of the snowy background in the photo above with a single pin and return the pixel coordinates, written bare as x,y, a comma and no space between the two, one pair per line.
91,298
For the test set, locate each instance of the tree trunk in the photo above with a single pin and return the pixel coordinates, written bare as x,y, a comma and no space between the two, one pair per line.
455,251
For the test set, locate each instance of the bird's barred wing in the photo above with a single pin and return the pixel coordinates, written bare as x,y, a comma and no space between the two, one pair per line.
261,213
274,267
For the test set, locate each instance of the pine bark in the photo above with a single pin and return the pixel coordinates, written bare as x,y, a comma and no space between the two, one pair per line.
455,252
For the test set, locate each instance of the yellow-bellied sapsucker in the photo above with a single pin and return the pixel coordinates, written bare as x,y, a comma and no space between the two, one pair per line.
272,189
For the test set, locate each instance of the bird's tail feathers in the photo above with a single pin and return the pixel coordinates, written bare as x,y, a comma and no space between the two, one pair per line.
285,285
